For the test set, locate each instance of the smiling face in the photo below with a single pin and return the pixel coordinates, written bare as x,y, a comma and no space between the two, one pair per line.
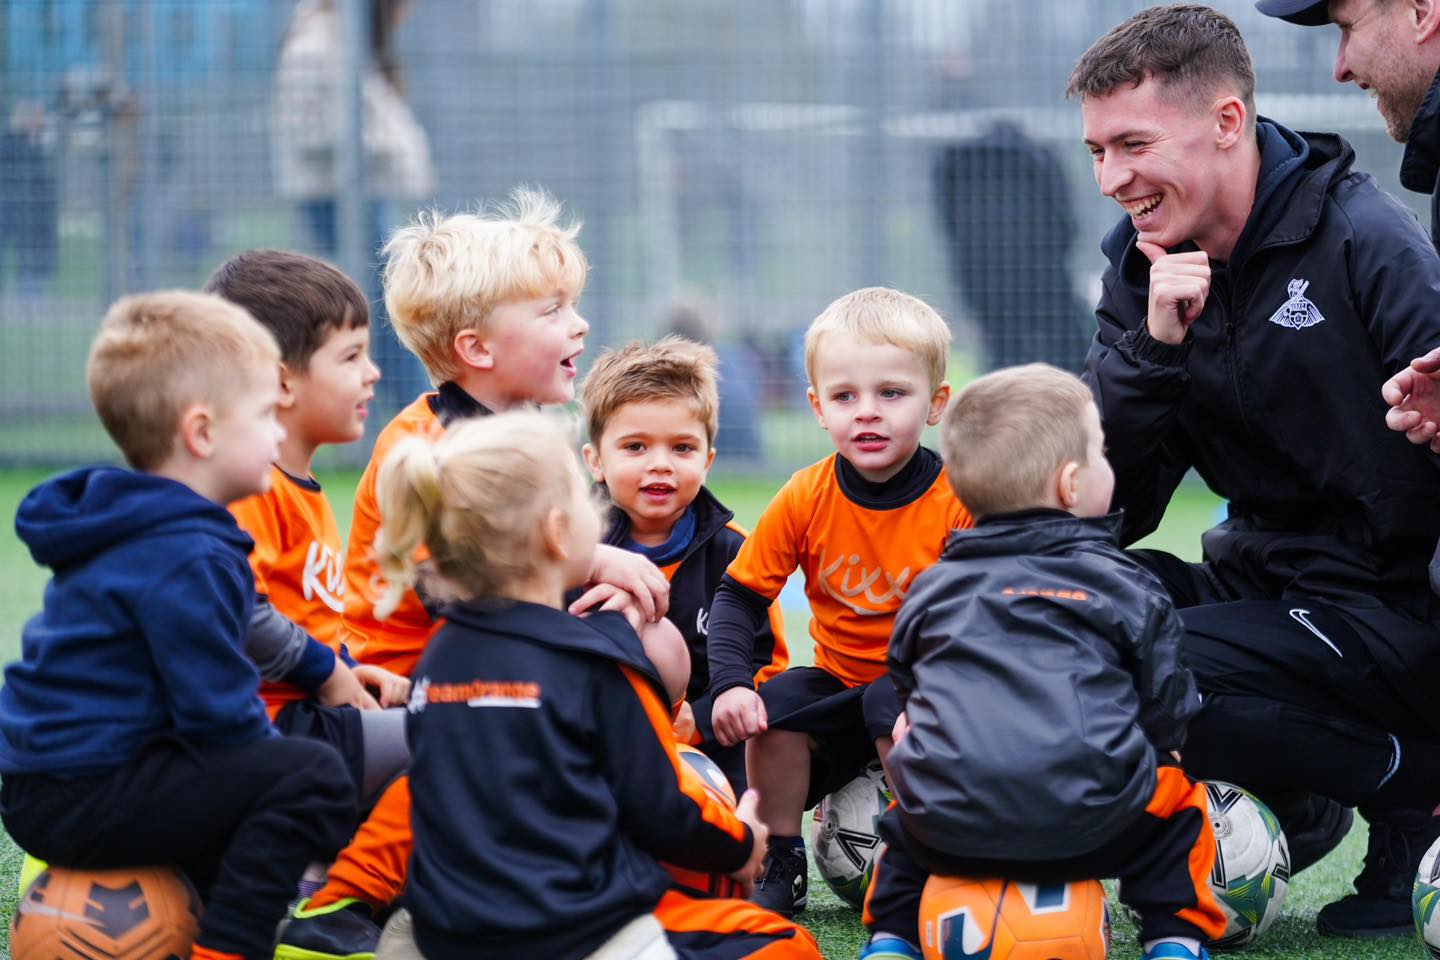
874,399
531,347
1160,157
1379,52
653,456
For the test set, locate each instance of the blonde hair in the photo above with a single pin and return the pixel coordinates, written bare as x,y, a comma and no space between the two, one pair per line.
447,274
672,369
882,315
476,499
1007,433
157,353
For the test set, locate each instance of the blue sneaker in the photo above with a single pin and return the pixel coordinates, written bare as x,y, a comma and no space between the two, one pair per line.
886,947
1169,950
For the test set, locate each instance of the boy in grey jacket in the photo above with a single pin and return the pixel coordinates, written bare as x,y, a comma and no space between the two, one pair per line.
1038,667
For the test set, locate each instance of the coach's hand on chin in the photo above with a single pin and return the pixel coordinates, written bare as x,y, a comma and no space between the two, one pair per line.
1179,284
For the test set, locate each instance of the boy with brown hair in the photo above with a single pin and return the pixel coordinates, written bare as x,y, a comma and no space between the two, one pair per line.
859,524
322,323
652,413
130,730
1039,669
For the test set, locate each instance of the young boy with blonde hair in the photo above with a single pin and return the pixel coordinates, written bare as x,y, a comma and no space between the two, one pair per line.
131,730
1037,652
860,524
322,323
488,303
652,412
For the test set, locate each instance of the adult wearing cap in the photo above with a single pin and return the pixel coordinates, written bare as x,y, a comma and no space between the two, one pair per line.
1392,49
1259,292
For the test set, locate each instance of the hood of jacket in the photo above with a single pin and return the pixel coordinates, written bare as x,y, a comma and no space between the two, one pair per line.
535,623
78,515
1039,532
1420,167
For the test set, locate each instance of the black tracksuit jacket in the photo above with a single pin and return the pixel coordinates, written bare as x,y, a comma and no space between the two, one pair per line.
1278,406
546,786
1039,667
693,584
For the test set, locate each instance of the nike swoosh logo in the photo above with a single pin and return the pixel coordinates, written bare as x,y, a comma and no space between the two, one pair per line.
1302,617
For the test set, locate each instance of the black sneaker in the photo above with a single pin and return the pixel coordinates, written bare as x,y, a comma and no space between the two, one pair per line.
340,931
1380,905
1316,827
785,886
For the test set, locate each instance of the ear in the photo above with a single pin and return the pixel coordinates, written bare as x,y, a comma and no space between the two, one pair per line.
938,401
553,527
592,462
287,387
1426,19
196,433
709,459
1231,117
1067,484
815,406
472,351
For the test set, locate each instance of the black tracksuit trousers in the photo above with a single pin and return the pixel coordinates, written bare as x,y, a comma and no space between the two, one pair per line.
242,822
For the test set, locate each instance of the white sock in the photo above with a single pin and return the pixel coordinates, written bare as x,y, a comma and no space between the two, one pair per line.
1189,943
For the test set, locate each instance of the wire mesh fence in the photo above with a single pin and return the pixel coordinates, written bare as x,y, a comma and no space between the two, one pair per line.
737,164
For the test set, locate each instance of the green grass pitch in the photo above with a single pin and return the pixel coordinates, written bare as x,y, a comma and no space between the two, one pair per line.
835,925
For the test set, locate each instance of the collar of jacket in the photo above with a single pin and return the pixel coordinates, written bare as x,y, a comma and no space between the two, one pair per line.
1038,531
554,628
452,403
711,516
1420,166
1296,173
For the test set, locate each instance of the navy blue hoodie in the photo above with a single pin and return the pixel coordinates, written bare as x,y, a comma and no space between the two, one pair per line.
142,630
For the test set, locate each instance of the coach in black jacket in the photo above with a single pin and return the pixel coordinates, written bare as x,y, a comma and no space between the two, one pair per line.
1259,293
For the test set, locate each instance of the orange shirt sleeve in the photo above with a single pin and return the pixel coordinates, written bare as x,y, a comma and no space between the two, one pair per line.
772,551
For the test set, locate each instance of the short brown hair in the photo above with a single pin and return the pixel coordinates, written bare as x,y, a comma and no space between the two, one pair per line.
883,315
445,274
1007,433
672,369
1182,45
156,353
299,299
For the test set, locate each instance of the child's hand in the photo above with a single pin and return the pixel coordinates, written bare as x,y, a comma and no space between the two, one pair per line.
738,715
746,812
394,689
902,727
344,689
683,726
631,573
607,596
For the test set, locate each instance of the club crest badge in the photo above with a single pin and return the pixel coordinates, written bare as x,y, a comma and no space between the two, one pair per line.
1297,312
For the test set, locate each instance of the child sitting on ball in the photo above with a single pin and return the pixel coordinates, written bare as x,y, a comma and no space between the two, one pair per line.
1039,670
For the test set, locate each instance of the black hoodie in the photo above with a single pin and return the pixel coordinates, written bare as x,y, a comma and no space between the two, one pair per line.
546,786
1274,397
